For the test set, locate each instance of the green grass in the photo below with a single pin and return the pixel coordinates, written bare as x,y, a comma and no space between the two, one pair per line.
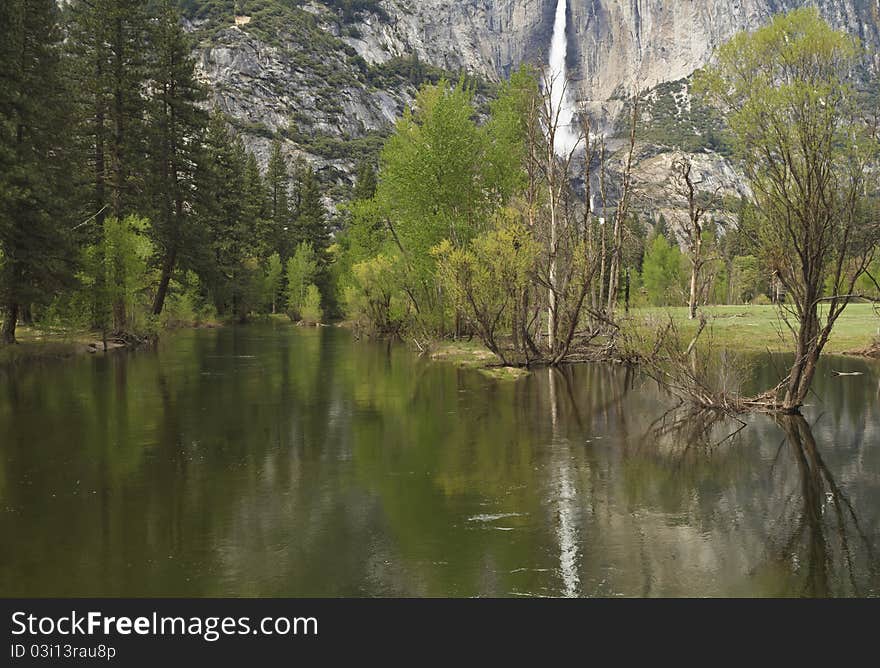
473,355
469,354
760,328
748,329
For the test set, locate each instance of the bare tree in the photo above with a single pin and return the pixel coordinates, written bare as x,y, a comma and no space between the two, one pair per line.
556,172
698,205
622,211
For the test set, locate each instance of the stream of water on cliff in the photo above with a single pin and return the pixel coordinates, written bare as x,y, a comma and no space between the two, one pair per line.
562,100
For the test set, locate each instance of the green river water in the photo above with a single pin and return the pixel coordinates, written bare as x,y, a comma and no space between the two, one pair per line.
275,461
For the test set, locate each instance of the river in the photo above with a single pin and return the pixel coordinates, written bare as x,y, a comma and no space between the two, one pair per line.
271,460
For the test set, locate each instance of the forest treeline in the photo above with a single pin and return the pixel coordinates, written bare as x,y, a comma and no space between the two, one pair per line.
126,203
481,226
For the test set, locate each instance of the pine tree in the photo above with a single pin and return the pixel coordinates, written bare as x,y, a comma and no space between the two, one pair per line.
662,229
221,210
366,182
279,214
176,122
311,218
106,39
35,250
255,207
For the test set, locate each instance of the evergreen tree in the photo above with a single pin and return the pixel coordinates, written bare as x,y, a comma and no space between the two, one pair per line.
221,210
311,219
176,125
255,206
106,39
366,182
662,229
279,214
35,251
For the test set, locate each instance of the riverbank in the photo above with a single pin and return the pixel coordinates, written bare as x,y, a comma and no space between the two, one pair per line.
473,355
745,329
35,344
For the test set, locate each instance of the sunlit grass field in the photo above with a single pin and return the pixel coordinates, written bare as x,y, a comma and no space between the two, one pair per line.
760,328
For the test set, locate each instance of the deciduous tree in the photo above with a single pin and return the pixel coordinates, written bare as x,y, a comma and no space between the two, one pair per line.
807,154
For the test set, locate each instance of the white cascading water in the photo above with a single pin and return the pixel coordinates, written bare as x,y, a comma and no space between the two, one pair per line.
562,101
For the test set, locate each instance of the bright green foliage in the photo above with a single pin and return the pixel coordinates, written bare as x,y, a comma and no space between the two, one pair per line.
506,136
663,273
363,237
118,264
376,298
809,157
443,178
792,112
272,284
311,307
302,270
869,284
366,234
186,305
431,185
486,277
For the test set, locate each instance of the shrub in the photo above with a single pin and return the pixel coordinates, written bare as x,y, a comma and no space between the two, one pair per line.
311,311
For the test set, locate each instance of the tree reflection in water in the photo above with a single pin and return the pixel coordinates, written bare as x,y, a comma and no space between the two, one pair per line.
815,533
272,461
823,528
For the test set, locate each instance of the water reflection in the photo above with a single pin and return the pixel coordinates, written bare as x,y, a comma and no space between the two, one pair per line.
824,532
564,493
277,461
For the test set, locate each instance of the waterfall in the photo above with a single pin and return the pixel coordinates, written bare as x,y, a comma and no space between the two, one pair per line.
566,133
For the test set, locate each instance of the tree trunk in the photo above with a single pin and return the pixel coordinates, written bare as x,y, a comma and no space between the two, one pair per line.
10,320
804,367
162,292
692,302
554,242
120,317
803,444
728,261
697,264
616,257
99,297
602,259
551,311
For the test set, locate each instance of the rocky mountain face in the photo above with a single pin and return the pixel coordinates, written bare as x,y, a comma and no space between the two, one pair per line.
627,45
330,81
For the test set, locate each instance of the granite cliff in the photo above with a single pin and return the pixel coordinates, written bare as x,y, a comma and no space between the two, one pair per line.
330,77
